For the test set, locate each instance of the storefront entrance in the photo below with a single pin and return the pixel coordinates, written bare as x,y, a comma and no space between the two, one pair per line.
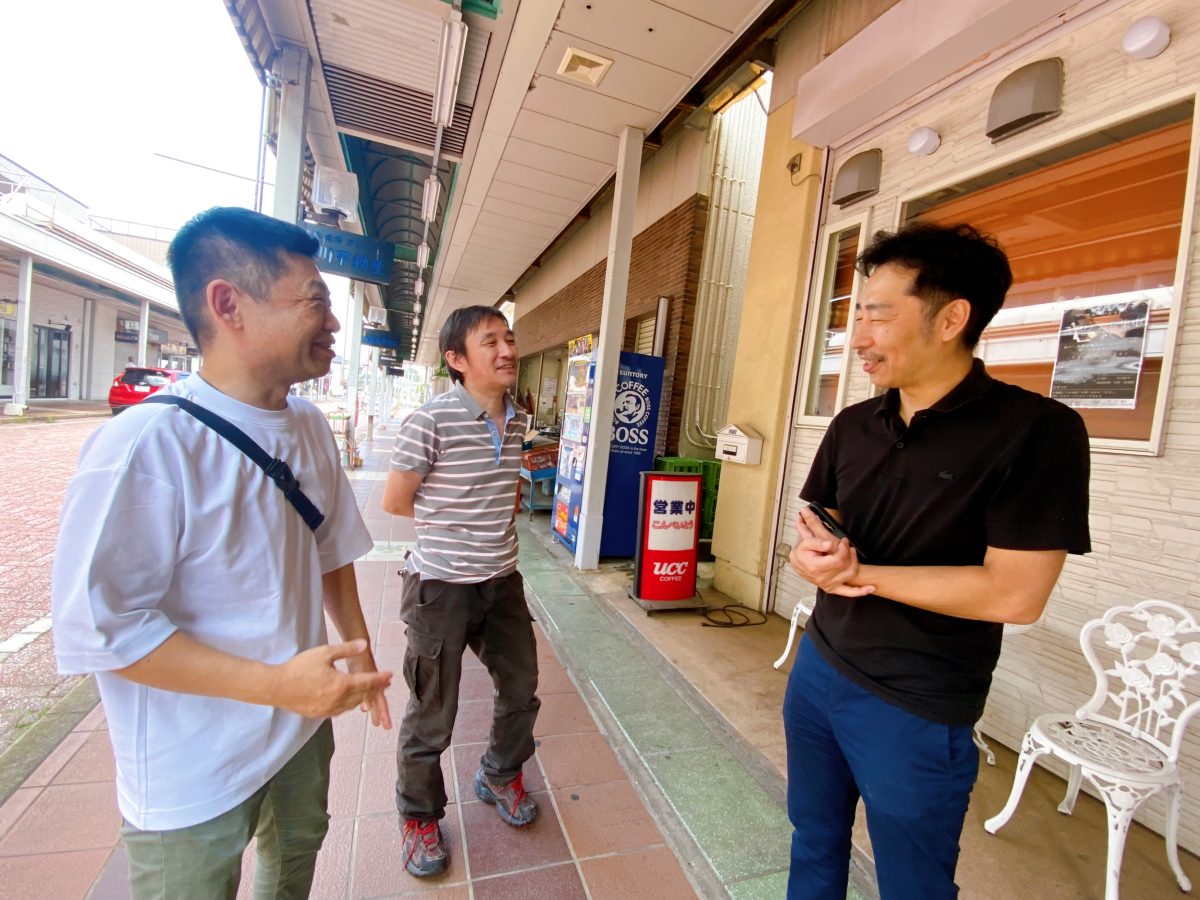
51,362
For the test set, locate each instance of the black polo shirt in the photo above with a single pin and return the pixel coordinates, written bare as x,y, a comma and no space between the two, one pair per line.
988,465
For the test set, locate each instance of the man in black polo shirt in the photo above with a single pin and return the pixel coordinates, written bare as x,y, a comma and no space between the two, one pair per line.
961,497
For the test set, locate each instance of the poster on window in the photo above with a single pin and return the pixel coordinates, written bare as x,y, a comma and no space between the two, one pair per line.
1100,353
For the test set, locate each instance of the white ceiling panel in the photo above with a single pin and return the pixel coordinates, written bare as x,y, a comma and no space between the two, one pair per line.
558,162
628,78
567,188
522,213
647,30
725,15
578,104
515,227
548,131
564,206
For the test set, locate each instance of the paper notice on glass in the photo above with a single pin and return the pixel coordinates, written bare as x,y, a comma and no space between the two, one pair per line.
1100,353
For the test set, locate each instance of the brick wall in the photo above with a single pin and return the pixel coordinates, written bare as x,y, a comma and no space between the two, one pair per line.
665,262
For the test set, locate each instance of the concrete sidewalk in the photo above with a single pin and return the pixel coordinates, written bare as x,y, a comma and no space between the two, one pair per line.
641,794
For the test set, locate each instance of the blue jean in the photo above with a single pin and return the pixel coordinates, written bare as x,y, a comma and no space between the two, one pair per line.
915,777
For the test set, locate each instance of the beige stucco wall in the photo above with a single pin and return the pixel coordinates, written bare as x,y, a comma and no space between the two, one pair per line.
1145,509
772,308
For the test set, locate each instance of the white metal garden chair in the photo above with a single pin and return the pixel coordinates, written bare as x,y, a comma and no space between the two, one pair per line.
1125,740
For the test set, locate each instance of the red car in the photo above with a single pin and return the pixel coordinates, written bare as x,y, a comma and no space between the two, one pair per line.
137,383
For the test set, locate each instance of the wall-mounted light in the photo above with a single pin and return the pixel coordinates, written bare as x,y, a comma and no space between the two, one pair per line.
1146,38
450,60
923,141
429,199
423,255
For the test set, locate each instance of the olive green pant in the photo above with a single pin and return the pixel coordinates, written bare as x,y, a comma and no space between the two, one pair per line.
288,815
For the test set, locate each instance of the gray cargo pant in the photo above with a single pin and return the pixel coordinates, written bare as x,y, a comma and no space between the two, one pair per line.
444,619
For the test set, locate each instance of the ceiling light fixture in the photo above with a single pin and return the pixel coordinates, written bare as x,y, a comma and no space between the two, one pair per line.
429,200
423,255
419,287
450,60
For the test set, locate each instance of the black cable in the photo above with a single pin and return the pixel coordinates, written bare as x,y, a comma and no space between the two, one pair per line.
732,616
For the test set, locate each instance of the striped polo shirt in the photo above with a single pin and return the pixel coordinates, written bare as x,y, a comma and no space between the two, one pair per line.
465,506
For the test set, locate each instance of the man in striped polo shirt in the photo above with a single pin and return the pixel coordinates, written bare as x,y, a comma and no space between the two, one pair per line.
454,470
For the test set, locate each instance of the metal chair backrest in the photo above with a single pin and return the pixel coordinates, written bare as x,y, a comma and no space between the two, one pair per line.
1147,691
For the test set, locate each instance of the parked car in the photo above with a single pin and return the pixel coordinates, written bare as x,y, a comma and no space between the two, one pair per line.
137,383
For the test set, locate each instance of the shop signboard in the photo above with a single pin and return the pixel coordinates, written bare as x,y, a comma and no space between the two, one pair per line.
352,255
668,538
372,337
635,427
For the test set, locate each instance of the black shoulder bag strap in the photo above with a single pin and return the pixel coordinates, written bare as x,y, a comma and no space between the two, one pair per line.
277,470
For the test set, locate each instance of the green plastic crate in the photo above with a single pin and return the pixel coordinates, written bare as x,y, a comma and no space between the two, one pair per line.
679,464
711,469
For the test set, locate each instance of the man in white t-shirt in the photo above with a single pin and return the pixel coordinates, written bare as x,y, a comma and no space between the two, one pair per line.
195,591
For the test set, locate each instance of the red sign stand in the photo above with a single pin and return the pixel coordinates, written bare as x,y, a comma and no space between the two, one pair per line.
664,574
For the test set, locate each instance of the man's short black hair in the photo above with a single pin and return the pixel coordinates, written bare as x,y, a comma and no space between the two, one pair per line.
237,245
459,324
950,261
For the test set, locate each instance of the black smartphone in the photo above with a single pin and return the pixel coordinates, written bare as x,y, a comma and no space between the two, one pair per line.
832,525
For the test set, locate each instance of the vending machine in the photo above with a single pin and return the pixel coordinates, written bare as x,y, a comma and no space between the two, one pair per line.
635,427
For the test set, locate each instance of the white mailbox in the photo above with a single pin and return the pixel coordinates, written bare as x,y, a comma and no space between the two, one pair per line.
739,445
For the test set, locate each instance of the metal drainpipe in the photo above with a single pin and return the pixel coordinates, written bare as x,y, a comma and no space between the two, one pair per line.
704,314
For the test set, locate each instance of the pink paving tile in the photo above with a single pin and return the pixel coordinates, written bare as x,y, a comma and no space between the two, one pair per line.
656,871
66,817
93,720
14,807
333,862
563,714
476,684
61,876
59,757
391,634
466,764
92,762
345,772
605,818
349,731
496,847
378,868
378,793
553,679
573,759
113,883
383,740
474,721
552,883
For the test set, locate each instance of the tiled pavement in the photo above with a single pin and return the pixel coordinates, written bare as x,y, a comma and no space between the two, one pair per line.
642,795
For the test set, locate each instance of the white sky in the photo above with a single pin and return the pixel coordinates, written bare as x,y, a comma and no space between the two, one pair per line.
94,90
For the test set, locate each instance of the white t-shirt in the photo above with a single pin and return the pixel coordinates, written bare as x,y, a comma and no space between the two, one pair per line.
167,526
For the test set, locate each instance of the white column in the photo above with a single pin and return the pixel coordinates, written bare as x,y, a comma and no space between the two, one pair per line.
87,341
353,348
292,68
608,355
372,390
24,348
143,332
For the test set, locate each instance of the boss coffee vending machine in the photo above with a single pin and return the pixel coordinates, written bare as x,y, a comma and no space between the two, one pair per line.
635,427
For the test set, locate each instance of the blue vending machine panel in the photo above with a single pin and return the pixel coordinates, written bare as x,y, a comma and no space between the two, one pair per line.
635,427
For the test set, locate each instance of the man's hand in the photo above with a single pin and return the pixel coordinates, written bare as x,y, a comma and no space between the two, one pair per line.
376,703
310,685
824,561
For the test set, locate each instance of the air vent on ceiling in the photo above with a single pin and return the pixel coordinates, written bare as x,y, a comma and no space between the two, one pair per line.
579,65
